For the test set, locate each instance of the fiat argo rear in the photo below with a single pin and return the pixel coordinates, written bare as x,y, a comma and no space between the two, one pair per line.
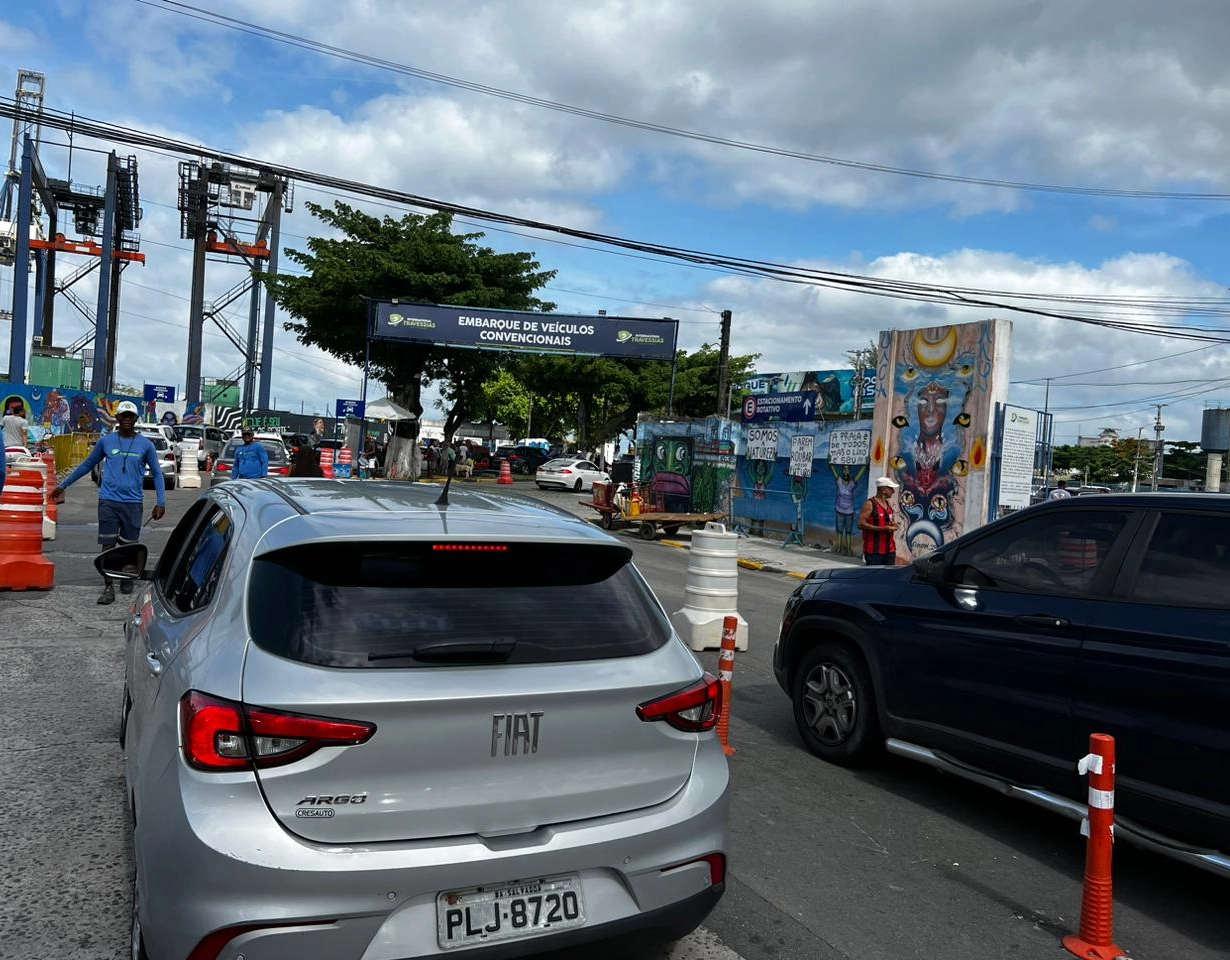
363,724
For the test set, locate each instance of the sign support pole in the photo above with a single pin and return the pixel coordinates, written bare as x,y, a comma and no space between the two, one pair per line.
367,363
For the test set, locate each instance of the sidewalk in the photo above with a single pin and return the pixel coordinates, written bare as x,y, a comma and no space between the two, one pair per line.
760,553
67,865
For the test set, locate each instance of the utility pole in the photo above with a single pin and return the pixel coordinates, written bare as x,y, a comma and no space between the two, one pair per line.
1158,429
724,364
1140,436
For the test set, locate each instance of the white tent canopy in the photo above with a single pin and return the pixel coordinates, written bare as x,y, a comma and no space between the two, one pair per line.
386,409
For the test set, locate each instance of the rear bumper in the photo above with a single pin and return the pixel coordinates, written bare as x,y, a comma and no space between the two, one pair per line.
214,857
631,937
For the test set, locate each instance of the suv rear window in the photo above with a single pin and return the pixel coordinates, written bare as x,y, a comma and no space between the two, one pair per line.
276,451
400,604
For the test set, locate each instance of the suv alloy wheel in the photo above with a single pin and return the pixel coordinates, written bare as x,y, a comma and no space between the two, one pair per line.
834,705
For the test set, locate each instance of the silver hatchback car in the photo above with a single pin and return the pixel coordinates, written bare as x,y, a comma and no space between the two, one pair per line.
359,723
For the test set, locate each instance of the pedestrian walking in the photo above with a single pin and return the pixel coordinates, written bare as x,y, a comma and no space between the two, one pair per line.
879,525
1061,491
452,459
251,458
16,426
306,463
124,455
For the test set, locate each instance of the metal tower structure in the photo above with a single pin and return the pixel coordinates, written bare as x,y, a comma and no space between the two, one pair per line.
215,200
118,205
31,209
27,122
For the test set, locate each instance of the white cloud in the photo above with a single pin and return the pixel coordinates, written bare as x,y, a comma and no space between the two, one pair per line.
802,327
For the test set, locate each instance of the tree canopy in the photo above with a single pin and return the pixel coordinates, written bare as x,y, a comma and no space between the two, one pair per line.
414,257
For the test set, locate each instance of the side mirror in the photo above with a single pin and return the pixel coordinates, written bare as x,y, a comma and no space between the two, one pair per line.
123,562
930,569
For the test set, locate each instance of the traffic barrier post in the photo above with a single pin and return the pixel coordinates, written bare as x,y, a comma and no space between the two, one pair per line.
22,564
1096,938
726,675
505,473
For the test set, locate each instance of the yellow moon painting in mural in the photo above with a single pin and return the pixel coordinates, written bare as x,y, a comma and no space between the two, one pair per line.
935,346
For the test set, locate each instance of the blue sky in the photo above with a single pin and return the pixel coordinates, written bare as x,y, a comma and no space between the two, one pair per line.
1041,92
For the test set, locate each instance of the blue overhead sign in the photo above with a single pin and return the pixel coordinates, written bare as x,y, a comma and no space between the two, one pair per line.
349,408
784,407
154,393
526,331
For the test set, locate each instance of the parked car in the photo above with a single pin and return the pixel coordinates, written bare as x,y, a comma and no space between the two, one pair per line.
168,460
279,462
570,474
314,776
526,460
164,430
210,440
294,441
997,656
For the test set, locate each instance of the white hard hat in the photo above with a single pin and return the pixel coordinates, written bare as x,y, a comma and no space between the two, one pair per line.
127,406
887,482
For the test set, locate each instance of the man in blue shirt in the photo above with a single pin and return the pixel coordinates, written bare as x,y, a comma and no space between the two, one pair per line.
124,454
251,458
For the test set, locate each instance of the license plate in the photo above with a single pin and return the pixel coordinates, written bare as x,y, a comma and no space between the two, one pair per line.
509,911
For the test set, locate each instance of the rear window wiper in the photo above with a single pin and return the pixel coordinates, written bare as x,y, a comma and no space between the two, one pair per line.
469,652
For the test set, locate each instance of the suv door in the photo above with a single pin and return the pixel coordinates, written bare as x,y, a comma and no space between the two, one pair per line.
983,657
1155,674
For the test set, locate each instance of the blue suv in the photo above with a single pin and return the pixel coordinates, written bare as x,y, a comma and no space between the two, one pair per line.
995,657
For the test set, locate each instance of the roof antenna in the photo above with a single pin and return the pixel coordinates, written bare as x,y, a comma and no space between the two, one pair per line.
443,498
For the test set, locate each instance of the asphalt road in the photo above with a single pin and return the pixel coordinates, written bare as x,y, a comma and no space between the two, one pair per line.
896,861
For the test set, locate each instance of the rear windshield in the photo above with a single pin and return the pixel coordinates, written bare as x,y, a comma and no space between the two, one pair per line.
419,604
190,433
276,450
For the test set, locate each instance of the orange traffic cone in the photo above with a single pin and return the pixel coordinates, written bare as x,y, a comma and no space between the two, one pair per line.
53,484
326,462
22,564
1096,940
726,676
505,472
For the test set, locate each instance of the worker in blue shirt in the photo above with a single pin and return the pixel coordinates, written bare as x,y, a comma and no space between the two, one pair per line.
251,458
124,454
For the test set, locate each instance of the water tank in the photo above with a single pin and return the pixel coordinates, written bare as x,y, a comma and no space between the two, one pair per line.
1215,431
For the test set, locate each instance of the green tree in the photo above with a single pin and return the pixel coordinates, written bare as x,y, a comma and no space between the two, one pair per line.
417,258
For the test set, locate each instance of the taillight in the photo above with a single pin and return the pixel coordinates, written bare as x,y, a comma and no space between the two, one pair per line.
566,470
470,547
212,945
222,467
220,734
168,456
717,867
694,709
283,471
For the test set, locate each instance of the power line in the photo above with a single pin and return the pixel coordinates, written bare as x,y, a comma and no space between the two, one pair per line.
306,43
853,283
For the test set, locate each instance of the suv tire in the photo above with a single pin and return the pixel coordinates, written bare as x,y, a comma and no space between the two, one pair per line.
834,705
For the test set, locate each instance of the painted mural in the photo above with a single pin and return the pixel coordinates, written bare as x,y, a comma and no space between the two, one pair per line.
836,389
935,406
52,411
693,460
821,509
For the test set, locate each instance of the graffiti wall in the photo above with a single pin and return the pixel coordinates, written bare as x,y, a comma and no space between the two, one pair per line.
691,462
52,411
822,507
936,391
836,389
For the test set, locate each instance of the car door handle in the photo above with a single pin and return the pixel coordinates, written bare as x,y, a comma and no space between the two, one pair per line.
154,664
1042,620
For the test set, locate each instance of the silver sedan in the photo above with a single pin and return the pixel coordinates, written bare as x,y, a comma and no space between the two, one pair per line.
332,750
